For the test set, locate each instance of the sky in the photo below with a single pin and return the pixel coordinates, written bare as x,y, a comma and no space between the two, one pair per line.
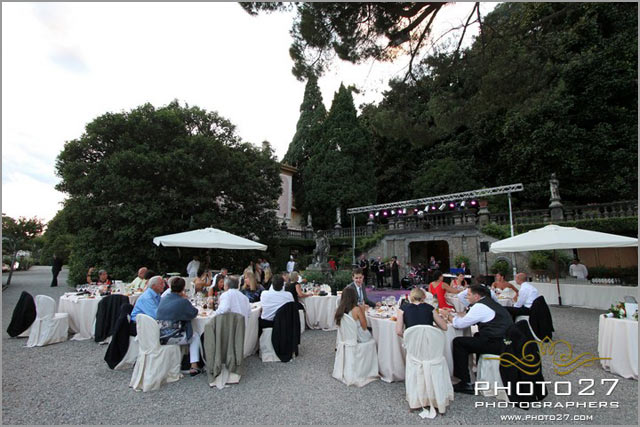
64,64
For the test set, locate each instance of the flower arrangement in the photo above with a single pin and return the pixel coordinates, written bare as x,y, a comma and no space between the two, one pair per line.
618,311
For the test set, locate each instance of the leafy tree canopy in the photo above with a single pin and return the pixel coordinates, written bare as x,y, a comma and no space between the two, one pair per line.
136,175
354,32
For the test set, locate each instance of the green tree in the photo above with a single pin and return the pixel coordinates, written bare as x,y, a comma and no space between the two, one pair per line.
354,32
308,133
18,235
136,175
340,170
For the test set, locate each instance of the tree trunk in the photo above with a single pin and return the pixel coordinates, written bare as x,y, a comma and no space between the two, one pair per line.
13,262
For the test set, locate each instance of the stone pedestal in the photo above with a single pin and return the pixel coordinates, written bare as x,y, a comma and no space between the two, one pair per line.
400,224
483,213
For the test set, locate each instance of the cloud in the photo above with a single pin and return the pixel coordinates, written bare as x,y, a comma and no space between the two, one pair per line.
70,59
23,195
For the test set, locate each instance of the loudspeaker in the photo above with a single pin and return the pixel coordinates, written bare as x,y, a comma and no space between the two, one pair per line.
484,246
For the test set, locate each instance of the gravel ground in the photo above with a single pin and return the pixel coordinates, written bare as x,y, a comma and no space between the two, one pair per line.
69,383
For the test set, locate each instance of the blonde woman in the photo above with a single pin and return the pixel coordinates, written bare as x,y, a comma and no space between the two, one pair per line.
417,312
295,288
250,286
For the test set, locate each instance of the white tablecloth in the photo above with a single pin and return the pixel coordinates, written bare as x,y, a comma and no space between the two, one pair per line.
321,311
82,313
250,332
391,354
590,296
455,302
618,339
507,302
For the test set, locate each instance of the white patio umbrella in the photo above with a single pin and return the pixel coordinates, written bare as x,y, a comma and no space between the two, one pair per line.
208,238
558,237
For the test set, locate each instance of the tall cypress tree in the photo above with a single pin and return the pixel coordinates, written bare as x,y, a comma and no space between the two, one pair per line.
340,171
308,133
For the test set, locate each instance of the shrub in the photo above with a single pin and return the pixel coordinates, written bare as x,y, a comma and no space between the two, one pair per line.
538,261
314,276
500,266
342,278
497,231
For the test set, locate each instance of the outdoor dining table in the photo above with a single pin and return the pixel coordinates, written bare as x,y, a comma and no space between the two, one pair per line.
250,332
391,353
320,311
618,341
82,311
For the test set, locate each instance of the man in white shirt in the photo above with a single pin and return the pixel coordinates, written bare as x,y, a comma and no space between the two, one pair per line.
291,265
193,266
271,301
232,300
492,319
140,282
578,270
528,293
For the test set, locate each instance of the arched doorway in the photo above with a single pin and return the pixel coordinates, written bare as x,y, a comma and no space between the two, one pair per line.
421,252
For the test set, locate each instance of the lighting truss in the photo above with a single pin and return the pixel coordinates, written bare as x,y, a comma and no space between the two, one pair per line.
483,192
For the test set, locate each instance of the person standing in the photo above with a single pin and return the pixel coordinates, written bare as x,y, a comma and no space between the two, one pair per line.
578,270
395,273
364,266
291,265
193,266
55,269
379,269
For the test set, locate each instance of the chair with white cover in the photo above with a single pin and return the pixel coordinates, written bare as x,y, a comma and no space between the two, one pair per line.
156,364
302,321
49,327
427,378
267,353
489,372
355,363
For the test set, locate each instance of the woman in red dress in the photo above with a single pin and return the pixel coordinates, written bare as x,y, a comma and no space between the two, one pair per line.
438,288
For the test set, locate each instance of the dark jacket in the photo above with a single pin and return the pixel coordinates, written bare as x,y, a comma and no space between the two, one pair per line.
120,340
107,315
517,336
286,331
23,315
540,318
499,325
57,265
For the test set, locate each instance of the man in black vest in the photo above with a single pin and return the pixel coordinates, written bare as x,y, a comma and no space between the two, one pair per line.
492,319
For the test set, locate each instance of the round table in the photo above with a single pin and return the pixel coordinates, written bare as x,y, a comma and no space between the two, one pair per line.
250,331
391,353
82,313
453,299
618,340
505,301
320,311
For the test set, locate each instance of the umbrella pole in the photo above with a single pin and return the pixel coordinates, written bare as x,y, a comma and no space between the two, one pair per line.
555,257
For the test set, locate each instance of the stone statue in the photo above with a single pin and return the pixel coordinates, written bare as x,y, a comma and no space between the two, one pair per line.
338,218
309,220
321,252
554,183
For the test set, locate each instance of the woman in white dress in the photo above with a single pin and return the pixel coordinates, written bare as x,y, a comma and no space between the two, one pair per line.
349,307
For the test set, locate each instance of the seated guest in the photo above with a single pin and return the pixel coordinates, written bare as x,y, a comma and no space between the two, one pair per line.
492,319
295,288
502,284
250,286
349,306
271,301
358,285
218,286
417,312
462,296
148,275
148,301
438,288
174,316
140,282
232,300
458,283
203,279
223,273
103,278
528,293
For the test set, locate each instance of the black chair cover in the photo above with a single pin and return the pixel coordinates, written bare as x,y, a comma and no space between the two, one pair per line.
286,331
23,315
